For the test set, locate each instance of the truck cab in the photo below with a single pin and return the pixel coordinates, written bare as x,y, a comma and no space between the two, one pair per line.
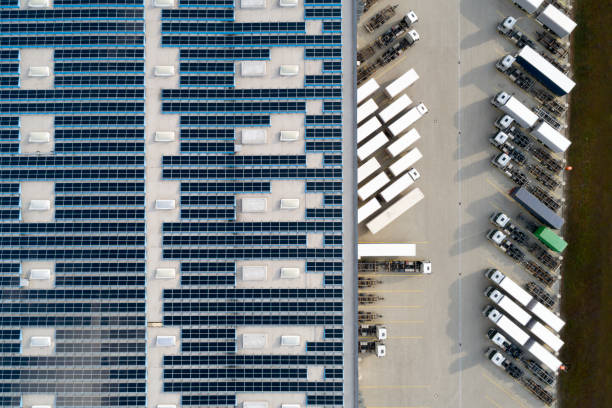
410,18
506,26
500,219
504,122
495,357
495,275
500,138
505,63
500,99
502,160
412,36
493,294
374,347
496,236
499,340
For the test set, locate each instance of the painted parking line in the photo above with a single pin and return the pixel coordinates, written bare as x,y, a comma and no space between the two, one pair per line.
495,404
499,189
505,391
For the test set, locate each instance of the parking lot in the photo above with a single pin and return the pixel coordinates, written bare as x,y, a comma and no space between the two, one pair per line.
435,350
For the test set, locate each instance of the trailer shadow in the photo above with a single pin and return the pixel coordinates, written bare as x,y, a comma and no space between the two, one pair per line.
471,234
466,302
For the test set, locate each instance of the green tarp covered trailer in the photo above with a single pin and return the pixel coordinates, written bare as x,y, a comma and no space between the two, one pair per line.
550,239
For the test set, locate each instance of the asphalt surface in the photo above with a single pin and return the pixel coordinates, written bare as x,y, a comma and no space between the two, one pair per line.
435,351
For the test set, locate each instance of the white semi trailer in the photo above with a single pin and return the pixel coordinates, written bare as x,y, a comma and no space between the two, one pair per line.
395,210
401,83
523,339
556,21
407,119
395,108
516,109
525,299
524,318
530,6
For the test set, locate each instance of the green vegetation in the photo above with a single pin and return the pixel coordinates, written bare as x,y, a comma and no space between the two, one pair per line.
587,279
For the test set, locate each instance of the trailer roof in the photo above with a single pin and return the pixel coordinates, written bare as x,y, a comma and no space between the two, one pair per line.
521,113
562,24
546,68
401,83
548,337
529,5
554,140
386,250
547,316
537,208
552,240
367,89
545,356
513,330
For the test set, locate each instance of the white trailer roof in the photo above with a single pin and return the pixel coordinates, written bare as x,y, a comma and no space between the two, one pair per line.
403,142
546,68
395,210
522,114
367,169
397,187
548,337
512,330
546,315
557,21
554,140
529,5
407,119
372,146
386,250
373,186
366,109
367,129
514,290
545,356
367,89
401,83
367,209
405,162
514,310
395,108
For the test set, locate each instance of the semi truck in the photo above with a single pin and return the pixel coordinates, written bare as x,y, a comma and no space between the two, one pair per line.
503,162
537,208
499,240
408,119
516,109
540,373
506,28
502,342
524,318
397,30
509,136
373,330
395,210
373,347
556,21
545,72
523,339
399,185
502,221
499,360
394,266
525,299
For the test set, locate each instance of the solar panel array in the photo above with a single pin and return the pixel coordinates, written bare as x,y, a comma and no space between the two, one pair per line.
96,243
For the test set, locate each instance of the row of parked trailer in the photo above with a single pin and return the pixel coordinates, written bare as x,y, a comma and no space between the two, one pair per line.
530,142
386,128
